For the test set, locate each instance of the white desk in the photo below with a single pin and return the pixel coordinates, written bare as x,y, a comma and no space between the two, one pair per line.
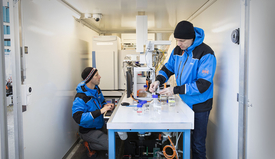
178,119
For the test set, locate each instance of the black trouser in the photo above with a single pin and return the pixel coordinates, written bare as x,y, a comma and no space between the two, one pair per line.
198,135
97,139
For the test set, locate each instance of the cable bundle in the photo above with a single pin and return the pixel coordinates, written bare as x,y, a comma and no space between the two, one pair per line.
173,148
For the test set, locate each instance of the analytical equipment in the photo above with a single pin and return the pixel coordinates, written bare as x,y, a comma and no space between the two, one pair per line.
149,68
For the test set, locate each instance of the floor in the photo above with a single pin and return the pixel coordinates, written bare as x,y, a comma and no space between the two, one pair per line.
80,152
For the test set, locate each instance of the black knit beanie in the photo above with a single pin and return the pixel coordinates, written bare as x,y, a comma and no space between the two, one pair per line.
184,30
88,73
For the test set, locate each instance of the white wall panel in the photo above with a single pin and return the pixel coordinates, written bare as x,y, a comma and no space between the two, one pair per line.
218,22
261,127
58,52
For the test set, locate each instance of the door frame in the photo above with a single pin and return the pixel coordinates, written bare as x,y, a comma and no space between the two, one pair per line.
3,105
243,79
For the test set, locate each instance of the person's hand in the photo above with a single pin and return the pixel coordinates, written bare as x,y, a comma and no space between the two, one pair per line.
167,91
154,86
111,105
108,106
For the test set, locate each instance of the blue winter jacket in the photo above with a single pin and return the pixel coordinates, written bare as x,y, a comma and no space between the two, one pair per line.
194,69
86,108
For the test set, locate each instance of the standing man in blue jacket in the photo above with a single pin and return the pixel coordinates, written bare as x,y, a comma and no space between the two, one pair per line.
194,64
88,109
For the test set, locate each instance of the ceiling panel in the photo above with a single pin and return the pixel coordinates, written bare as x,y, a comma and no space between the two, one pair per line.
120,15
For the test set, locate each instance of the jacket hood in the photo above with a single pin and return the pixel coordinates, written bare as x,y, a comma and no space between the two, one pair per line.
82,88
199,37
78,88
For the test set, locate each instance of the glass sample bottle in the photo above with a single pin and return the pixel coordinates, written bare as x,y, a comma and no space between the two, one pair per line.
155,107
164,104
172,101
140,109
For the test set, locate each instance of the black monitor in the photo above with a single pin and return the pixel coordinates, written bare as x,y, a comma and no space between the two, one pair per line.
129,83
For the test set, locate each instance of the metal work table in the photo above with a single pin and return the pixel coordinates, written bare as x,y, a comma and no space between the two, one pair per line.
178,119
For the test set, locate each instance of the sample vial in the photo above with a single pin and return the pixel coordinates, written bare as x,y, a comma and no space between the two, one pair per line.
163,98
146,108
156,104
172,101
164,105
140,109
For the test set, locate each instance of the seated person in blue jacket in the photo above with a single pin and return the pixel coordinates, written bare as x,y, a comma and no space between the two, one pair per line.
88,108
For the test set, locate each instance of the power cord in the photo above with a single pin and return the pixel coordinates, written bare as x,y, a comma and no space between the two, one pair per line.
173,148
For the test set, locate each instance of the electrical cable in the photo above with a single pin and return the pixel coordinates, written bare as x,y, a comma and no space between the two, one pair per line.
173,148
178,140
133,97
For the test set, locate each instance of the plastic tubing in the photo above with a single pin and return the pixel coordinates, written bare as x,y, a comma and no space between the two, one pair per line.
133,98
173,148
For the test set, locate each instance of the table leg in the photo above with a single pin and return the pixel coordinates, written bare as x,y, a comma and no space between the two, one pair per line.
112,143
186,144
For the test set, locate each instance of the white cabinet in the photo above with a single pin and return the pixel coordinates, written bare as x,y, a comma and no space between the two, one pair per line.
105,59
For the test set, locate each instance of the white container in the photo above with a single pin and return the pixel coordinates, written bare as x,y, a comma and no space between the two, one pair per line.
122,135
155,107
